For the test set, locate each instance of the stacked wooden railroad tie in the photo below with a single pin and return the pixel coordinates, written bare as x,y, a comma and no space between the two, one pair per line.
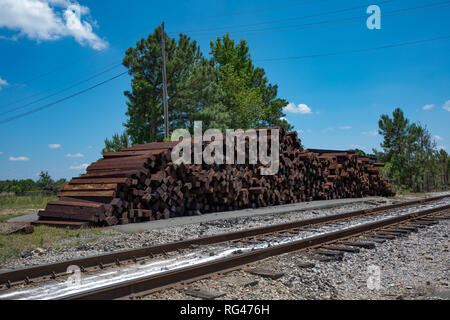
141,183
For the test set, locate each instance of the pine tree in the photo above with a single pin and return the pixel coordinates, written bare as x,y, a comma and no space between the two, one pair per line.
145,104
117,143
249,97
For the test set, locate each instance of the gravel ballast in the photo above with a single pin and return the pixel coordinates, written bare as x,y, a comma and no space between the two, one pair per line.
412,267
110,240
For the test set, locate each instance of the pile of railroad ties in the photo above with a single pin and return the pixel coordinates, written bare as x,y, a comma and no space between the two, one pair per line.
141,183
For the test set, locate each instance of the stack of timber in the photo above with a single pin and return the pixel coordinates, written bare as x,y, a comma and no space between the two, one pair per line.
141,183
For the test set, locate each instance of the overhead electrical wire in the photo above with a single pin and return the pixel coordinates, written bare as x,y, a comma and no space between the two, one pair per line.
265,31
331,22
391,13
61,100
258,60
296,27
115,65
78,60
401,44
281,20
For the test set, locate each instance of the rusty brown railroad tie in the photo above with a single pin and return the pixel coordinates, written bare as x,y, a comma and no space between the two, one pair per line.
141,183
141,287
53,270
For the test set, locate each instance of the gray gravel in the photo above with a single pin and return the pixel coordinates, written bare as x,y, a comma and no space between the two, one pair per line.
110,240
413,267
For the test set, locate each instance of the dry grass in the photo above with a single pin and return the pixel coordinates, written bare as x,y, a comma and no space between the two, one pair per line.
25,202
43,237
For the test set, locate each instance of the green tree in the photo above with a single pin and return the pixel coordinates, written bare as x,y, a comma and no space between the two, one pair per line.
409,151
117,143
59,183
248,96
226,91
359,152
200,97
145,104
44,181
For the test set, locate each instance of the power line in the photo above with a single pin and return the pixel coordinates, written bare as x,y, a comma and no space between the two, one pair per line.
11,103
280,20
401,44
60,91
395,12
76,61
251,11
61,100
258,60
333,22
256,31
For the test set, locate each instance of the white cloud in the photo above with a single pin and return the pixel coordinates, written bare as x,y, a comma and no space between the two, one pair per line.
89,147
301,108
370,133
75,155
441,147
1,153
283,118
428,107
54,146
44,20
345,128
446,106
19,158
3,83
327,130
438,138
80,167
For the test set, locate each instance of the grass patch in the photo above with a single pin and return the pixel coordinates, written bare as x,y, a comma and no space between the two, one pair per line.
42,237
26,202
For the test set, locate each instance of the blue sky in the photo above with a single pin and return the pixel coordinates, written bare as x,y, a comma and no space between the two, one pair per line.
336,100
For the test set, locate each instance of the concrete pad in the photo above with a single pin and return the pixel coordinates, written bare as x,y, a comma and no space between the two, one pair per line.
302,206
26,218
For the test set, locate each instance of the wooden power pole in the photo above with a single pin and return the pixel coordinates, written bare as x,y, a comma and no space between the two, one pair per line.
166,107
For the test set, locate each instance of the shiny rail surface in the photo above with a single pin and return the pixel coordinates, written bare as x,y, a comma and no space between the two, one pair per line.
106,284
53,270
147,283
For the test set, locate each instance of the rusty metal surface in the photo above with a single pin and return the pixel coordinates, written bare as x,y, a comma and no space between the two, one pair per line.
129,289
110,258
140,183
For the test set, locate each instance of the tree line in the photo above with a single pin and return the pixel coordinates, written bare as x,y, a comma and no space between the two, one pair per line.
20,187
225,91
413,162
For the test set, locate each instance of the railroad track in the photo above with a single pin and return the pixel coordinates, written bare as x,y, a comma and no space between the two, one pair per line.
138,272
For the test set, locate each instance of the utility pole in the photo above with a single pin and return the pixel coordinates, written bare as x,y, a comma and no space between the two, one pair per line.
166,107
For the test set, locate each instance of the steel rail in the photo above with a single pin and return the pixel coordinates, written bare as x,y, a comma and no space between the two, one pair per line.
146,283
59,268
